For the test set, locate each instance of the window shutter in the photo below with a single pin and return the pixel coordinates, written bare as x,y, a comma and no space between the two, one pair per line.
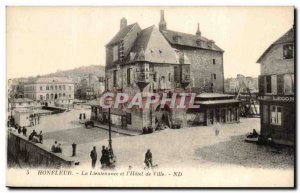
261,84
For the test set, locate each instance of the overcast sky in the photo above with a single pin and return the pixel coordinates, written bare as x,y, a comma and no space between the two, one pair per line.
42,40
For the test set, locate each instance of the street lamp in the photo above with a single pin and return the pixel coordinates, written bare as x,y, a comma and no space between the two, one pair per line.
109,102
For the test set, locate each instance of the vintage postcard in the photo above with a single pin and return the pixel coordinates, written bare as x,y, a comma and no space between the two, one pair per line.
150,96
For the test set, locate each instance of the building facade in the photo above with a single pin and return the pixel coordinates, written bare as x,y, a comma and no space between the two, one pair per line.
205,56
90,86
214,108
52,91
158,60
233,85
142,61
276,90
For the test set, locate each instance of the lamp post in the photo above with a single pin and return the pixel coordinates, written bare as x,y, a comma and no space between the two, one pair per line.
109,102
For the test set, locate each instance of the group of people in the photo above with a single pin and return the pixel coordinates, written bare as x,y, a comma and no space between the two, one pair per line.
106,159
56,147
34,137
21,129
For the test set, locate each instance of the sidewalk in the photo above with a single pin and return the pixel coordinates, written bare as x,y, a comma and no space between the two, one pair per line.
115,129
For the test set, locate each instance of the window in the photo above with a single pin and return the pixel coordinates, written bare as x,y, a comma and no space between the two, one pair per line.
59,87
51,96
214,61
41,97
115,78
155,77
280,84
213,76
41,88
128,118
276,115
55,87
288,51
115,53
64,87
20,104
59,95
268,84
47,87
69,96
129,70
51,87
64,94
47,96
169,78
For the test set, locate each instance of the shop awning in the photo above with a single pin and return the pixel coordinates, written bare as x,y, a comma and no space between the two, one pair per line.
215,102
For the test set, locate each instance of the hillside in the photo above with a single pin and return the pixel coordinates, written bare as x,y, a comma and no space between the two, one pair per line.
77,72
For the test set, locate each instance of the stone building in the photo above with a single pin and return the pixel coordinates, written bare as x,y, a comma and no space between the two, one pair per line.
158,60
51,91
205,56
233,85
143,61
276,90
90,86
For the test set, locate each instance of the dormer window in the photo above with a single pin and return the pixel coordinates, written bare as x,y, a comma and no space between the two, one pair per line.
210,44
176,38
288,51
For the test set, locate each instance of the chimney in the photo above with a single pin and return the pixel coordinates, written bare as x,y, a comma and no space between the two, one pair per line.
198,33
162,24
123,23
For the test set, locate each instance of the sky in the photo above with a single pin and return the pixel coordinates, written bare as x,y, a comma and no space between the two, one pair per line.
41,40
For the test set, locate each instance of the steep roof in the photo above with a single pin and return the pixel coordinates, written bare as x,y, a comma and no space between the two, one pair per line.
288,37
153,47
121,34
189,40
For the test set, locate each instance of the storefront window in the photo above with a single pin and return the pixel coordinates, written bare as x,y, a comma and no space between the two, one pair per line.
276,115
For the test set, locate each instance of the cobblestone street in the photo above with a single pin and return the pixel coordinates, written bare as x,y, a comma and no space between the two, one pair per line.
195,147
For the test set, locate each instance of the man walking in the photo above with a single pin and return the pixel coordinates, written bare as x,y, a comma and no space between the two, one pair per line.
148,158
94,157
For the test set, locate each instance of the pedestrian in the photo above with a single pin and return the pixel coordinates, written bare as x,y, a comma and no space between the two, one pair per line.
24,131
41,137
59,149
93,156
80,116
217,130
84,116
38,119
102,159
54,147
19,129
148,158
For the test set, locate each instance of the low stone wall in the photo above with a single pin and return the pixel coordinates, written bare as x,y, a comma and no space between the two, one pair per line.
24,153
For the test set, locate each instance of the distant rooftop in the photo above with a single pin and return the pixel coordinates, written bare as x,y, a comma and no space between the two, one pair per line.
20,100
52,80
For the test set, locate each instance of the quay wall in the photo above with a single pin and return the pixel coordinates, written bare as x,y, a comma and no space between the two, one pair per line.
24,153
